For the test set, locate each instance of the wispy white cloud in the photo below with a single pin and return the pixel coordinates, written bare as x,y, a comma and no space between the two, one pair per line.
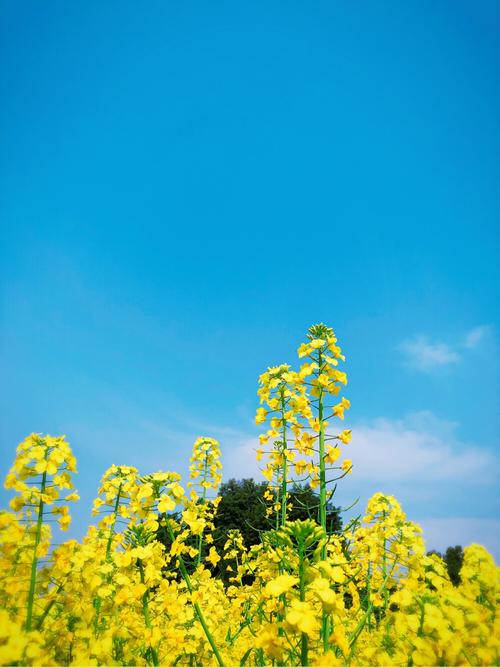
239,459
423,354
420,458
417,447
475,336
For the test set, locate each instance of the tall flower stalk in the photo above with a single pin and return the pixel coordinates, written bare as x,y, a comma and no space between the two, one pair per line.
41,471
324,380
282,390
205,477
189,584
119,485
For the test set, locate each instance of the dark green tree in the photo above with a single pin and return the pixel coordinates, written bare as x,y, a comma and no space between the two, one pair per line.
453,558
243,506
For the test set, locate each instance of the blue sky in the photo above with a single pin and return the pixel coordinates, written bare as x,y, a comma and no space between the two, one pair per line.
186,187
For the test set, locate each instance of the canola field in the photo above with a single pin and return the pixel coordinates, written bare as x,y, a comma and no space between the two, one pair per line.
368,595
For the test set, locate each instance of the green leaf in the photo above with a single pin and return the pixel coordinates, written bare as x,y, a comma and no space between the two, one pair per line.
245,657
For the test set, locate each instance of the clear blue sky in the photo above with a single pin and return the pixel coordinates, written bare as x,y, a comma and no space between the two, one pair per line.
187,186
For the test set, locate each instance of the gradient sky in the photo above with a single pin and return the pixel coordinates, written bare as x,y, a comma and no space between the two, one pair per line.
187,186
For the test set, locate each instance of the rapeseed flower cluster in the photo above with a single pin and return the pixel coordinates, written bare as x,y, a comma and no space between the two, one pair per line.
298,406
123,595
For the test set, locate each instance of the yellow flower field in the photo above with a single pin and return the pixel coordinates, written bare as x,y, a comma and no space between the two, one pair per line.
366,596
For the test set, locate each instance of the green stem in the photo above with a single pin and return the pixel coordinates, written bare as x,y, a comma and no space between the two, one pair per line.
197,608
366,618
112,526
357,631
34,563
285,461
369,592
304,641
322,470
200,537
145,612
384,565
277,498
98,600
322,494
49,606
420,631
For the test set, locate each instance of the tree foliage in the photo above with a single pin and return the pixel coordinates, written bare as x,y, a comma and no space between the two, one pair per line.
453,558
243,507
